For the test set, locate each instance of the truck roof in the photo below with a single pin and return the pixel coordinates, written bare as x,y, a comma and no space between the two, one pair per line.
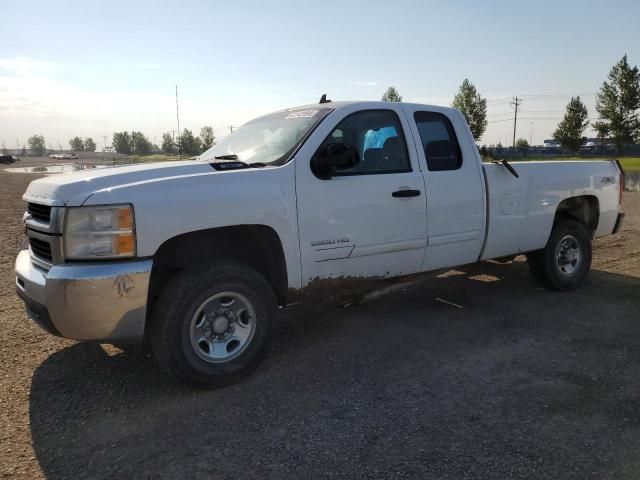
365,103
343,103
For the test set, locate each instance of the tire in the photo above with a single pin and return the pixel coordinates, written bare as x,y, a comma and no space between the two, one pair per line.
566,260
211,326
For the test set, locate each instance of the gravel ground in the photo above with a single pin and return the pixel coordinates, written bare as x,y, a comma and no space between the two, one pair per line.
513,382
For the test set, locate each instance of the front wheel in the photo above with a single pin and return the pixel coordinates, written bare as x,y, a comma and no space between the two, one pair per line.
211,326
566,260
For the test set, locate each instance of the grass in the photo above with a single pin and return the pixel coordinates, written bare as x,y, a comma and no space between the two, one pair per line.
629,164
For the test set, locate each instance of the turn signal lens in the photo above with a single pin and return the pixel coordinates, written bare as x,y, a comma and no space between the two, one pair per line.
125,244
125,218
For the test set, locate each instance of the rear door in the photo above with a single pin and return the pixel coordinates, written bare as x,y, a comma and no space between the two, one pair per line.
454,186
369,221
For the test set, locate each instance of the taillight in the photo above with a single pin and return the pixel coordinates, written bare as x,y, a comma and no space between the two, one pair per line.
621,188
621,182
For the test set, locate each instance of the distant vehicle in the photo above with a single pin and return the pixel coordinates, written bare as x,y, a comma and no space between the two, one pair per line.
8,159
63,156
196,255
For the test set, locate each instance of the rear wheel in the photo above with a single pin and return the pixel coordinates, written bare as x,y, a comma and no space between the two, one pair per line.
212,325
566,260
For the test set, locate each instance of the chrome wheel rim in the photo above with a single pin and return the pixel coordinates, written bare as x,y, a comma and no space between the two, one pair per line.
222,327
568,255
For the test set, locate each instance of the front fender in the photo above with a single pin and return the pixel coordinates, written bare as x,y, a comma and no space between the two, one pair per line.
168,207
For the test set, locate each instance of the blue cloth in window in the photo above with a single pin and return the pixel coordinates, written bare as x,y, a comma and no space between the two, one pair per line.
376,138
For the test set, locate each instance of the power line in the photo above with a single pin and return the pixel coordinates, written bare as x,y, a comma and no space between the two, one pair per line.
534,118
559,95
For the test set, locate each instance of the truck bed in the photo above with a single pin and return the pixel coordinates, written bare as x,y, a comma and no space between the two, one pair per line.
521,210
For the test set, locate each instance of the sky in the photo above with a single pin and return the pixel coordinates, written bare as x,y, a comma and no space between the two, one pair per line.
90,68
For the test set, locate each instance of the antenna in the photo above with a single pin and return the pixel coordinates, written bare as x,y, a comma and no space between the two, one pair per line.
178,118
323,99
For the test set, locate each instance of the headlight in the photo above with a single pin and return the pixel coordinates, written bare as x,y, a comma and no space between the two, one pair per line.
99,232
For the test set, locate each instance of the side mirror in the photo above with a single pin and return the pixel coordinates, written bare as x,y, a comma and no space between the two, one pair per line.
332,158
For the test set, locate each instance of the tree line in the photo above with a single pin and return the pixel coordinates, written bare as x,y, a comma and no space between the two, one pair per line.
617,104
137,143
133,142
77,144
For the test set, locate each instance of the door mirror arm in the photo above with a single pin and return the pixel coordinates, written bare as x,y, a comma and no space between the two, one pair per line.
332,158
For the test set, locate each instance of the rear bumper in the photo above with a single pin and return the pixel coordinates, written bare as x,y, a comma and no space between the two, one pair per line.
618,224
103,302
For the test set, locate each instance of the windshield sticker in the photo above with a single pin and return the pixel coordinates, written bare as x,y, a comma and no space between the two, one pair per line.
302,114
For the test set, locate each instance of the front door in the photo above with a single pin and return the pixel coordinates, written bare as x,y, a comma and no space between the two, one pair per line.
370,220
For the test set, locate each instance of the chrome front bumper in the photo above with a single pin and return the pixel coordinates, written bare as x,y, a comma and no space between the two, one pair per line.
103,302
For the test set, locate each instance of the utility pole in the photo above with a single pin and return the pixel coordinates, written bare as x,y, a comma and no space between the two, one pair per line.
516,102
230,128
178,118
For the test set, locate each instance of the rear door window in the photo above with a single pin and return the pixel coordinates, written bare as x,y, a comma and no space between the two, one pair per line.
439,141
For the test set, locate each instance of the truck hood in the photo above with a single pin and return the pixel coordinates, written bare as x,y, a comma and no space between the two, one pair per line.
72,189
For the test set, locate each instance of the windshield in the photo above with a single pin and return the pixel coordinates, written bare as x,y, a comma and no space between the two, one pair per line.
268,140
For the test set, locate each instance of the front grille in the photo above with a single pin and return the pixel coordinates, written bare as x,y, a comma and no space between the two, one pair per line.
39,212
41,249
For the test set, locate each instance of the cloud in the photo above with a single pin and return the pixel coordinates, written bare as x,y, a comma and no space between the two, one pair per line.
25,66
439,101
365,84
149,66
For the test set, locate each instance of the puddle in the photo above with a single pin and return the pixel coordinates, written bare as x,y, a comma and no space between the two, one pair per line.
632,181
55,169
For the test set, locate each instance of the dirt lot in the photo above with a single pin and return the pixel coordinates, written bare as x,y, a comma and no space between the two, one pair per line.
518,383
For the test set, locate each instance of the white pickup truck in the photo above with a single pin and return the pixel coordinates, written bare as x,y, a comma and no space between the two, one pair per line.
195,256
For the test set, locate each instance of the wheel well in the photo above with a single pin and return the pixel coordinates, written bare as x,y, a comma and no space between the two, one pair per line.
257,246
584,209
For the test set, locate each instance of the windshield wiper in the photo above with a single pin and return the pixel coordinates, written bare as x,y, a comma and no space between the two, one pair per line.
231,165
230,156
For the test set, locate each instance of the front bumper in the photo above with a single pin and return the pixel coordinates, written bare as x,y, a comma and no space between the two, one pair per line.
103,302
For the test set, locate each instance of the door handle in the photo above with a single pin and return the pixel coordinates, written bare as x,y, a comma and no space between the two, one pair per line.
406,193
